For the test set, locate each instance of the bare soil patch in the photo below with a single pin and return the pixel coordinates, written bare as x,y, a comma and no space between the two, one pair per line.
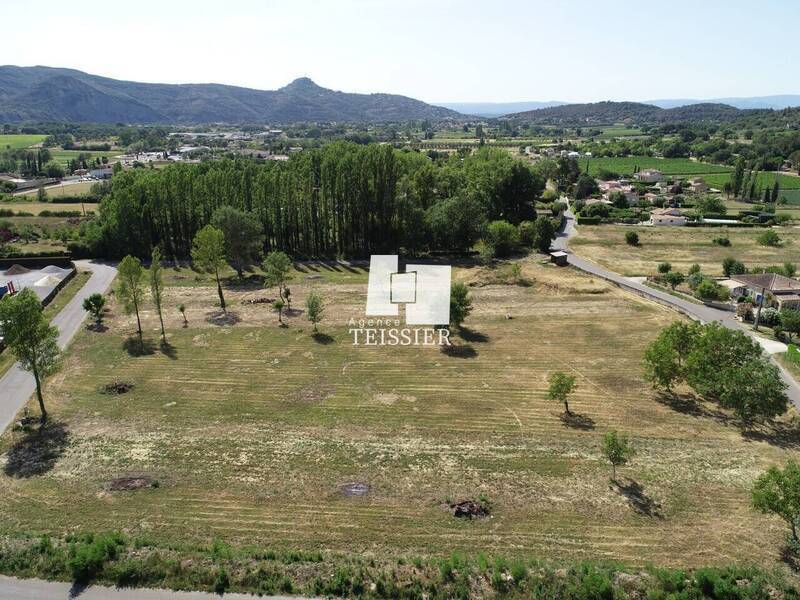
130,483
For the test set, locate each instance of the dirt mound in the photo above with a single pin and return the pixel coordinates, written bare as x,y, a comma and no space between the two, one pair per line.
127,484
468,509
355,489
54,270
117,387
17,270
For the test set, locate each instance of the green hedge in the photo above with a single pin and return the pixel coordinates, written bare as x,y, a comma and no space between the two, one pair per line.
589,220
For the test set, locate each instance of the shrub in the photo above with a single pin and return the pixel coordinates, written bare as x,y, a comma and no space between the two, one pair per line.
502,237
770,317
709,290
526,232
632,238
769,238
87,558
664,268
721,241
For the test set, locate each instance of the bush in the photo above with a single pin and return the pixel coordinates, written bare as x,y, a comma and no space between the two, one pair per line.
721,241
526,232
770,317
502,237
632,238
709,290
769,238
87,557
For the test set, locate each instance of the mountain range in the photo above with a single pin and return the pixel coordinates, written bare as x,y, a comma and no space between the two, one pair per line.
53,94
497,109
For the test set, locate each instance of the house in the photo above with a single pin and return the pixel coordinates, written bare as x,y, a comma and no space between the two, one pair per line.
610,187
649,176
779,291
102,173
667,217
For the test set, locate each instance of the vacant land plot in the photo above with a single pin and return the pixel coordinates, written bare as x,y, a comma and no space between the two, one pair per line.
14,141
682,247
35,208
70,189
258,434
668,166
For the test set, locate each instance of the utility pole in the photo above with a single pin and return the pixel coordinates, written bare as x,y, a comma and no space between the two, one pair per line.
760,304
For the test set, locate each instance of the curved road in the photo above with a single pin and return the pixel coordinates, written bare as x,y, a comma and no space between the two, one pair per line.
16,386
699,312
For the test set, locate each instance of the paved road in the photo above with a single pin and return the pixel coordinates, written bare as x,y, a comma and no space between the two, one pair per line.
36,589
700,312
16,386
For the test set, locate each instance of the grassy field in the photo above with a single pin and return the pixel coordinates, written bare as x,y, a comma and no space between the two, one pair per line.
681,246
64,156
764,180
73,189
668,166
14,141
251,430
37,207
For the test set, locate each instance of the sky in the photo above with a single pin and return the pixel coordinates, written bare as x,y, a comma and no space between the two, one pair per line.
433,50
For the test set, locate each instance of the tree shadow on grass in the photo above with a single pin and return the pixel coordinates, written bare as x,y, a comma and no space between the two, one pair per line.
250,281
37,451
688,404
638,500
790,558
322,338
97,327
135,347
577,421
223,319
470,335
168,350
782,435
455,351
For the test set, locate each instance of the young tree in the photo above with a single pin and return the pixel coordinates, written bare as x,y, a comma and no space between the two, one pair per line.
545,234
156,275
277,271
30,337
561,386
131,288
778,491
664,268
315,307
460,303
95,305
731,266
790,322
616,450
208,254
277,306
631,238
674,279
769,238
182,309
243,236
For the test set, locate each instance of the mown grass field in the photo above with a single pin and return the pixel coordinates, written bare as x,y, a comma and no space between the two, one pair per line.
72,189
682,247
14,141
64,156
251,429
668,166
35,208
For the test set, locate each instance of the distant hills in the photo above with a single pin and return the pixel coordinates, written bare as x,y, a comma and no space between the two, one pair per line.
496,109
53,94
633,112
754,102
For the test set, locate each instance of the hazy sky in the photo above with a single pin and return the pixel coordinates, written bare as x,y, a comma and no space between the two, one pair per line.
434,50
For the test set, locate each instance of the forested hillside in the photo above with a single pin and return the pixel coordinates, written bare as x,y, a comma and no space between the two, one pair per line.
341,200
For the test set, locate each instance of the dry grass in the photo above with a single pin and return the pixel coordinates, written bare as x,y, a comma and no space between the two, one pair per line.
681,246
36,207
251,429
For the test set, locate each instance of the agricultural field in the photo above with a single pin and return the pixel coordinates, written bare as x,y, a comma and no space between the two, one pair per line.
36,208
668,166
682,247
64,156
252,433
15,141
763,180
57,191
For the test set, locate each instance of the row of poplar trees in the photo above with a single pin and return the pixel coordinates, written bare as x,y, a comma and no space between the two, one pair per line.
343,199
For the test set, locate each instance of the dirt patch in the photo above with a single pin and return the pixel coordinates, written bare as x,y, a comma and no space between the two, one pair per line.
311,394
468,509
355,489
117,387
127,484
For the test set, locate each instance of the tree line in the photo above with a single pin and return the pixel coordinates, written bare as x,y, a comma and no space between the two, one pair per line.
341,200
